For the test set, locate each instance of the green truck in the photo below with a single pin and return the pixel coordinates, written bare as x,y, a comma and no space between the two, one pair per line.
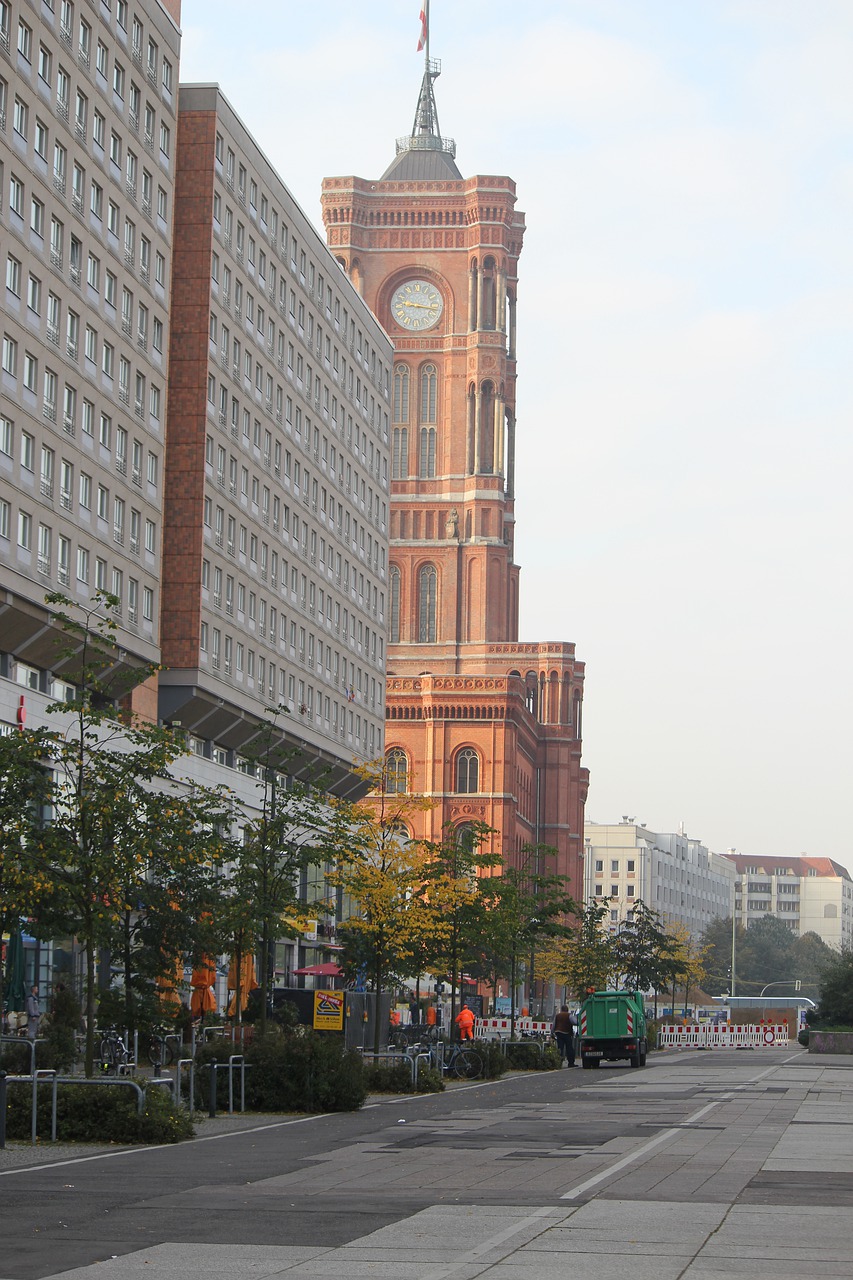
611,1026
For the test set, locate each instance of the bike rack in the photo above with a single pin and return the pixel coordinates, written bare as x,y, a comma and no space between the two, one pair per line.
395,1055
236,1061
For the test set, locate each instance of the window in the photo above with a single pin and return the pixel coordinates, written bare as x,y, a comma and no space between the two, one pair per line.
37,217
16,196
394,634
82,565
41,139
25,531
97,202
118,80
13,276
34,296
102,59
20,116
167,79
599,865
396,771
426,464
44,64
85,491
10,356
6,435
25,41
468,771
165,140
31,371
27,451
427,594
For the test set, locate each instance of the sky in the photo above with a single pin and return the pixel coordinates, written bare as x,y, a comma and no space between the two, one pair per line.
685,314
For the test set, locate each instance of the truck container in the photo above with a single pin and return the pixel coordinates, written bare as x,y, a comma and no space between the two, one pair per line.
612,1026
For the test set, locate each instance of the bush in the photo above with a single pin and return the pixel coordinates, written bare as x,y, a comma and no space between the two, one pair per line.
803,1038
302,1071
526,1055
98,1113
396,1077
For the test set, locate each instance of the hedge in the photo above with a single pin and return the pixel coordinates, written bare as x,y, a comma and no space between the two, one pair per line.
97,1113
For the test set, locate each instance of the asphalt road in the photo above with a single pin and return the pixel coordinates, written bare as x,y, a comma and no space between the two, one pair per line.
464,1183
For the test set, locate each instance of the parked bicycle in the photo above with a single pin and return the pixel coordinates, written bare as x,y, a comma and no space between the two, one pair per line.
458,1060
115,1057
161,1048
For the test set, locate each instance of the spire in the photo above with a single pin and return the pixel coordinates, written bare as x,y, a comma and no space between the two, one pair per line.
424,153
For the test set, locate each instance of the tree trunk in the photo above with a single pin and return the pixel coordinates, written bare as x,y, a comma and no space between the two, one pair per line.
512,977
89,1065
265,965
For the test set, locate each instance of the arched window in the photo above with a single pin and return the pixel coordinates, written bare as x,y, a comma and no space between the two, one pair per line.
426,461
396,771
468,770
466,837
401,393
394,634
400,453
427,595
428,393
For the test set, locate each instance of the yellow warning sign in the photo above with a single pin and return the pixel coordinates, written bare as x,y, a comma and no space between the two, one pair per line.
328,1010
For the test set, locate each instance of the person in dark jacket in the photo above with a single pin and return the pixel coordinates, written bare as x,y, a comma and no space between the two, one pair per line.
564,1033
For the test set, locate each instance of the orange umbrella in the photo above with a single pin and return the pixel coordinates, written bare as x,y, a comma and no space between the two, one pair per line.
204,975
168,983
248,981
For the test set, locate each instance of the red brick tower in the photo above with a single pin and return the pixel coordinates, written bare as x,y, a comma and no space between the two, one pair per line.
488,726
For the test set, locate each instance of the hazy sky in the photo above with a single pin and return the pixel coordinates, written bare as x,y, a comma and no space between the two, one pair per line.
684,393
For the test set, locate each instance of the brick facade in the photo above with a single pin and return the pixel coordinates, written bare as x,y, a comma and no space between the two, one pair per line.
458,679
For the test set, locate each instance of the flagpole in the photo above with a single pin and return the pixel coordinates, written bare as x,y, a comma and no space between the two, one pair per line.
426,43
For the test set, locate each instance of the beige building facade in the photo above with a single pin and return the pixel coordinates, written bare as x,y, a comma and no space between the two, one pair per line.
810,895
675,875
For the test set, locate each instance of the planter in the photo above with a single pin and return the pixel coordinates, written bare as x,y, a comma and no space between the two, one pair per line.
831,1042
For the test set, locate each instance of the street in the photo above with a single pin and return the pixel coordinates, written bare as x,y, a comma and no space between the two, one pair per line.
704,1162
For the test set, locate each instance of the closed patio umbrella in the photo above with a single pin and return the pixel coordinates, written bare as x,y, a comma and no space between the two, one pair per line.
204,975
248,982
14,988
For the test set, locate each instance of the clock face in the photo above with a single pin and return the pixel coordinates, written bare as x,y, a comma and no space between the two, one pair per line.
416,305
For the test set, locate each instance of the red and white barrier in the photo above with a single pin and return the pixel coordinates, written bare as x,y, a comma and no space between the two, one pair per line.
494,1028
725,1035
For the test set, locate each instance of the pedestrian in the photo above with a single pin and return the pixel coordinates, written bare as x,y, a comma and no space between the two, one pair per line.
33,1012
465,1023
414,1012
564,1033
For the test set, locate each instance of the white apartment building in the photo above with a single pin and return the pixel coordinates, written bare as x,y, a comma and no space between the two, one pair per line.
811,895
675,875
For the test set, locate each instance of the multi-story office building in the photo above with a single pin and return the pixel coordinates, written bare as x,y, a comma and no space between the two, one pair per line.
810,895
250,555
275,547
88,130
673,874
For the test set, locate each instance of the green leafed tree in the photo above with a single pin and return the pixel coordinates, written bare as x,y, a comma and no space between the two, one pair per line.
392,921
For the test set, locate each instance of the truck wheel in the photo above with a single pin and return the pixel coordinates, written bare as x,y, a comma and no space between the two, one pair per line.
637,1057
643,1057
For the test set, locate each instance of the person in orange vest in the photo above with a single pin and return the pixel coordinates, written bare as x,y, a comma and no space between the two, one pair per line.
465,1023
430,1015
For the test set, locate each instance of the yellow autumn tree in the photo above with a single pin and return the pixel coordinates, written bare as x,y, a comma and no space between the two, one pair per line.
382,873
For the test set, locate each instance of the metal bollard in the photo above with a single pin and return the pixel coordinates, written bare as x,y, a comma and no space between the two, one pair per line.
211,1109
2,1110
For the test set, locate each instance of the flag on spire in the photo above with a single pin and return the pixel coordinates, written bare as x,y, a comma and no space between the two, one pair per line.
423,36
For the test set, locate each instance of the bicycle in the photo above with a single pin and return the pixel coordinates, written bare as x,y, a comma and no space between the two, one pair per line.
458,1059
114,1056
161,1052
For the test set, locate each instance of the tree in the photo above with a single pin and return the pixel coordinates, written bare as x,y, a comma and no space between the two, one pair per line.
717,940
290,829
836,991
583,960
766,955
25,788
105,768
685,961
643,950
93,848
812,957
523,907
454,887
383,873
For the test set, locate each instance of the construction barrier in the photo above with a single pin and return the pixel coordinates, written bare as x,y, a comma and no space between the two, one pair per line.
724,1035
495,1028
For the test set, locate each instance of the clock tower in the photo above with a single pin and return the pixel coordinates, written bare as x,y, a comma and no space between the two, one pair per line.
486,725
